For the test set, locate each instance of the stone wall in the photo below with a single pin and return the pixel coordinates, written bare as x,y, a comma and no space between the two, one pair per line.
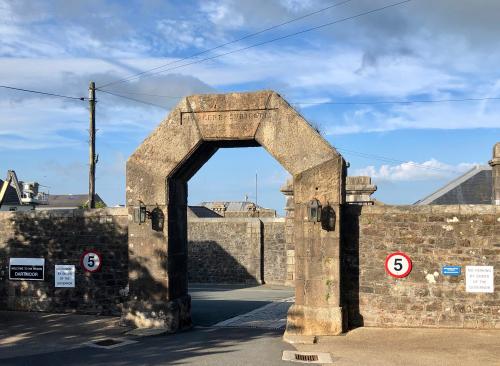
229,250
274,250
236,250
249,250
224,250
433,236
61,236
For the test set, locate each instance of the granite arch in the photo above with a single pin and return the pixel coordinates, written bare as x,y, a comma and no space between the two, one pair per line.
157,176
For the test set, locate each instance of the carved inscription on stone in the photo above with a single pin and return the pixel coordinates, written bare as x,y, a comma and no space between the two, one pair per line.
228,124
225,116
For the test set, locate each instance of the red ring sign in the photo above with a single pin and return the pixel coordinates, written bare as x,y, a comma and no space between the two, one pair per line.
398,265
91,261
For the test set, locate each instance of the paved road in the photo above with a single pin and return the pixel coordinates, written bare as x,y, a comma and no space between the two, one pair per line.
207,346
212,304
56,339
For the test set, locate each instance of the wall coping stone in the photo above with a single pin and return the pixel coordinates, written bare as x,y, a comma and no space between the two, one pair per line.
108,211
432,209
236,219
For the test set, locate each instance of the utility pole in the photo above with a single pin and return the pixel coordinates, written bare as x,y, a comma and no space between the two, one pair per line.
92,157
255,188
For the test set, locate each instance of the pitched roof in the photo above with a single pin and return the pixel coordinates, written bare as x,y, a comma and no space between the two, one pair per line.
473,187
70,200
201,211
11,197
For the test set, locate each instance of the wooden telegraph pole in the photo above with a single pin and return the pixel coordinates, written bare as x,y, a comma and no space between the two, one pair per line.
92,157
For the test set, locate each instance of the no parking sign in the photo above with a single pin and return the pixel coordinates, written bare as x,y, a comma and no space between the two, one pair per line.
398,265
91,261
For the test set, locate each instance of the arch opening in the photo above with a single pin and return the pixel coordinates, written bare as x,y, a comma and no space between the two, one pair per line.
237,248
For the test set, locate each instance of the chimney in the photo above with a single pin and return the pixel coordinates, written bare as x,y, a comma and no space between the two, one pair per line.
495,174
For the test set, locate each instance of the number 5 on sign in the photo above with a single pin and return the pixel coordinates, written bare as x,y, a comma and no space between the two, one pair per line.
91,261
398,265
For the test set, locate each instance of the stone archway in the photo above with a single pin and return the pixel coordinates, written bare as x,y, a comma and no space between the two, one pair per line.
157,175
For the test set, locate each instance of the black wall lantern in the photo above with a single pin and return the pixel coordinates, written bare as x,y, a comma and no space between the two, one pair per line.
156,215
157,219
314,211
140,213
328,218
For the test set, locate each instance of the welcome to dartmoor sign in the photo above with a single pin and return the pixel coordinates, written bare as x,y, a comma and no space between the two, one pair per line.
27,269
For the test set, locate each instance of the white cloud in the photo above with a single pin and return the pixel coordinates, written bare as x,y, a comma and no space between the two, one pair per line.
180,34
315,67
297,5
223,14
411,171
32,121
463,115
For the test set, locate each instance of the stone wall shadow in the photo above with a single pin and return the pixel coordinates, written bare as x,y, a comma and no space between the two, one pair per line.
209,262
61,239
349,265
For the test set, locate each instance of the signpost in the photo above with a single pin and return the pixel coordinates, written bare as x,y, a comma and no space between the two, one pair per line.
398,265
479,279
91,261
27,269
64,275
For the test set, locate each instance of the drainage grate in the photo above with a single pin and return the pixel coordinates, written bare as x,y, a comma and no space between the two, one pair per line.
306,358
110,343
107,342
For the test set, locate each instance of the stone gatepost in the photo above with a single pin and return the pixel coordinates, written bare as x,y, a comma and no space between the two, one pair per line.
287,190
495,174
317,309
359,190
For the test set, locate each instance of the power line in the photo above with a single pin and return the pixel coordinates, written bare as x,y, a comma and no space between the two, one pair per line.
43,93
373,102
358,153
133,76
148,95
399,101
135,100
392,160
280,38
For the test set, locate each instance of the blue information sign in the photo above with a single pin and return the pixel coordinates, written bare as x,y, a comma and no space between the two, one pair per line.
451,271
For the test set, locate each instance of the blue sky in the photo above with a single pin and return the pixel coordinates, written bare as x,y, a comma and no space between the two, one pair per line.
418,50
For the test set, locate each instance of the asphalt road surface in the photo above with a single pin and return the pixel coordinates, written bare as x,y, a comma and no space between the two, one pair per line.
42,339
212,304
60,339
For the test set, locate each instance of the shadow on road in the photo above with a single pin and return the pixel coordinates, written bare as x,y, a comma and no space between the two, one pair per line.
217,346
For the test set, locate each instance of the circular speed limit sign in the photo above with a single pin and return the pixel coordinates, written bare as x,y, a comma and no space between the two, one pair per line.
398,265
91,261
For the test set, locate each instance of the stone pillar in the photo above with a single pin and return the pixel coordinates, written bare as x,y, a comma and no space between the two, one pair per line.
359,189
495,174
287,190
220,208
317,309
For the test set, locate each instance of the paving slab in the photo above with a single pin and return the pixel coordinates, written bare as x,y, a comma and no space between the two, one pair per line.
411,347
270,316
